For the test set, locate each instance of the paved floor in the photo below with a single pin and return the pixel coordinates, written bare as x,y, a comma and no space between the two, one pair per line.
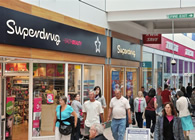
108,133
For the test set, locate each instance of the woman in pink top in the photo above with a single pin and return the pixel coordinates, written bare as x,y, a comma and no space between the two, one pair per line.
139,107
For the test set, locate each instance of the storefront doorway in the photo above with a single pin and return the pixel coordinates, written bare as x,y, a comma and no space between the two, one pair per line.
17,106
175,82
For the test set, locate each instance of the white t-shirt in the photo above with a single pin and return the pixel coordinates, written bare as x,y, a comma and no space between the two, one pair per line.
119,107
93,110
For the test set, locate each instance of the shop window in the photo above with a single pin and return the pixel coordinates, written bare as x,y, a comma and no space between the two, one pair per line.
167,70
180,73
74,80
16,67
190,70
147,71
48,86
157,71
93,76
117,79
186,67
131,81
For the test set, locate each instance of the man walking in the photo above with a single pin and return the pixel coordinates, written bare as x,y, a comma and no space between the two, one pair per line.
143,91
92,109
189,90
166,95
118,107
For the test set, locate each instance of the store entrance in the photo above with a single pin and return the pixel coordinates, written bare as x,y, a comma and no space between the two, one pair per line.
175,82
17,105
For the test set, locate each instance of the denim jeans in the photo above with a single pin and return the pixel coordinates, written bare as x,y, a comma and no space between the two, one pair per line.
118,127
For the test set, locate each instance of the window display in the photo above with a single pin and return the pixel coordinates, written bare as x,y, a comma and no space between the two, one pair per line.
180,73
131,81
157,71
17,67
74,80
147,71
93,76
167,70
48,86
117,80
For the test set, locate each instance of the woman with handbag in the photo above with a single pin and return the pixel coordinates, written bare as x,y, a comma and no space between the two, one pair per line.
139,106
150,113
64,124
184,114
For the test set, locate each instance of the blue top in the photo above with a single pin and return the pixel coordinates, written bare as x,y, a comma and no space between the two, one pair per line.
64,114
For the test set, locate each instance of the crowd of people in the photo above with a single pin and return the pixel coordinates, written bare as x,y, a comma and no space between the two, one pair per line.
166,113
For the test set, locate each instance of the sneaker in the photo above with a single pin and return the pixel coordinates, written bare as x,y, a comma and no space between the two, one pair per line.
151,135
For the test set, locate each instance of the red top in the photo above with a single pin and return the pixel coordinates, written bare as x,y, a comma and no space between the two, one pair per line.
150,103
165,95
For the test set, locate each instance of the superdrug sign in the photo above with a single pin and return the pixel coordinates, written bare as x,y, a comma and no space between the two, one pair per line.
21,29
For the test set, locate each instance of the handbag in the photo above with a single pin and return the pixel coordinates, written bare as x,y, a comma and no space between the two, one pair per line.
64,128
133,120
190,108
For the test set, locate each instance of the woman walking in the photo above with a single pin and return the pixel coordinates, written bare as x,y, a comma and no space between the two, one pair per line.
184,114
139,106
66,111
76,105
150,113
168,126
99,97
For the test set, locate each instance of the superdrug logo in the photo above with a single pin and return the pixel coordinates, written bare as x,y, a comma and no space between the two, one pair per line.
29,32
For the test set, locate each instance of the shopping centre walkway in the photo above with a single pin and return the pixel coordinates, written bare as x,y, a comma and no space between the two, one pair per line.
108,133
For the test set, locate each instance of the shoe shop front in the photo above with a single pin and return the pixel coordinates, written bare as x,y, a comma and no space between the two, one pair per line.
40,60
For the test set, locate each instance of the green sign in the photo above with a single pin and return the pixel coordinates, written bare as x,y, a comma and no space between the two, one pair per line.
10,108
188,15
147,64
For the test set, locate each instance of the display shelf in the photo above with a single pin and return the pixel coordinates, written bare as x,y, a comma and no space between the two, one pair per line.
21,83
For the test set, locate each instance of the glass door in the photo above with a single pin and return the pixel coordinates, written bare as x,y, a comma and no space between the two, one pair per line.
2,105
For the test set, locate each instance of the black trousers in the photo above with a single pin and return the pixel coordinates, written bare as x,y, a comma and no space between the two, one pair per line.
139,119
150,116
77,132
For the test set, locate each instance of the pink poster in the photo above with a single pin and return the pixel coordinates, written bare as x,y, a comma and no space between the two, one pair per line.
37,104
35,123
50,98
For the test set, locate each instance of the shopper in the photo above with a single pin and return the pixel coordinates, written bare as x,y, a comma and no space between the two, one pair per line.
150,113
189,90
76,105
159,101
143,91
96,132
92,109
139,105
99,97
131,103
166,95
66,112
118,107
192,101
168,126
184,114
184,91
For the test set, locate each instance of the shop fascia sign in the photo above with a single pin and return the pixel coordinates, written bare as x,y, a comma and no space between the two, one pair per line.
169,46
189,52
21,29
151,38
125,50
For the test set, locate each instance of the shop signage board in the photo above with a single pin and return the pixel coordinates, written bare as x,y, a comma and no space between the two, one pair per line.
175,16
137,134
151,38
125,50
21,29
167,45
